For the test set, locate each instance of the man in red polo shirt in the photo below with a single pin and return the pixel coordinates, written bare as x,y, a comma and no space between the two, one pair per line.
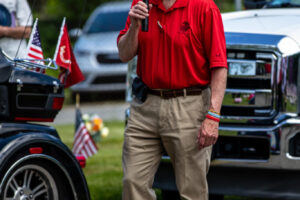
182,60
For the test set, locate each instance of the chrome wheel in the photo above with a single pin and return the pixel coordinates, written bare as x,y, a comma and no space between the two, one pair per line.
30,182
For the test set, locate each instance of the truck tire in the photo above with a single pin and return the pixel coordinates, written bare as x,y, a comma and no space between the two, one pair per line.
216,197
35,180
170,195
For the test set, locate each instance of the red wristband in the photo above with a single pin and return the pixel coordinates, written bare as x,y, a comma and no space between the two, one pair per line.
212,118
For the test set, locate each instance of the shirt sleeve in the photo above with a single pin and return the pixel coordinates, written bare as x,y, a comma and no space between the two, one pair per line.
23,13
214,38
124,31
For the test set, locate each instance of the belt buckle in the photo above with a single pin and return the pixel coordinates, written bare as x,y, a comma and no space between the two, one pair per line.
174,93
161,93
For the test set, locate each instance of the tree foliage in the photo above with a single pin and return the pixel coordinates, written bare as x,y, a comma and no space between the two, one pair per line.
76,11
79,10
51,13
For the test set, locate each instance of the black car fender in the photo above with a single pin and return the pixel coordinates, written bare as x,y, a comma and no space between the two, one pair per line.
17,149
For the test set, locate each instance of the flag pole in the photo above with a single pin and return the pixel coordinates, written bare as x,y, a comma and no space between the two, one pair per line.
31,34
59,38
77,100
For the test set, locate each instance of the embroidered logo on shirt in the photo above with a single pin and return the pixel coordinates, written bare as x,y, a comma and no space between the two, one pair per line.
184,26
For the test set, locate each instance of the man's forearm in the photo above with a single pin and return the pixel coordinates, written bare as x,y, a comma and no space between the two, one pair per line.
218,86
15,32
128,44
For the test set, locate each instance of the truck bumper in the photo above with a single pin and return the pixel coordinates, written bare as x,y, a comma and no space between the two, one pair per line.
275,176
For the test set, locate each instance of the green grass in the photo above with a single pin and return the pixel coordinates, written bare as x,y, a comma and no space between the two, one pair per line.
104,170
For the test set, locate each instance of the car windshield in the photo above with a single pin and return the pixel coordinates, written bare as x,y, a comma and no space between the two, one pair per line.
283,3
108,22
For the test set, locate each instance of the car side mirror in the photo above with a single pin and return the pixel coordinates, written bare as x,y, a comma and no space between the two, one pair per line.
254,4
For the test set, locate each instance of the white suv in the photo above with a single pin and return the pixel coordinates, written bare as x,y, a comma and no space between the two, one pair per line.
96,49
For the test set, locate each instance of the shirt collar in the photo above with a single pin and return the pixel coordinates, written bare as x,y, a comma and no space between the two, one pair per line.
177,4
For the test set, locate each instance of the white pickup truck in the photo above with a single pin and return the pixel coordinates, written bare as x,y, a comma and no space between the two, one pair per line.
258,151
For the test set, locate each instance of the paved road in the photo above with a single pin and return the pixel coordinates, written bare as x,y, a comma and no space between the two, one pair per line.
105,110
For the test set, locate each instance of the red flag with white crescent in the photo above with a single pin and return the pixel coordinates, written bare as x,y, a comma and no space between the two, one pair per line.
70,73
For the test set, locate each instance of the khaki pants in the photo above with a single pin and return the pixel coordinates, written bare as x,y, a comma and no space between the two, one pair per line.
170,124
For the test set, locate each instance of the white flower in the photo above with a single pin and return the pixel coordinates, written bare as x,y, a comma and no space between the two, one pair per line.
104,132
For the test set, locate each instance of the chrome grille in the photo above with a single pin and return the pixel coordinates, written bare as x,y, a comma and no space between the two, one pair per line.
113,79
250,90
108,58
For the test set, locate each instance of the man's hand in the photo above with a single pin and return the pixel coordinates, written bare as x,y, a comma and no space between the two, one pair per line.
128,43
137,13
208,133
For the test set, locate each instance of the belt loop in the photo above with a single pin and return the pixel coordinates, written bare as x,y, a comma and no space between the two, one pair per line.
161,93
184,92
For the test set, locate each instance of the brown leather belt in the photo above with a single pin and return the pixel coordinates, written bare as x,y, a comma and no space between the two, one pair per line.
167,94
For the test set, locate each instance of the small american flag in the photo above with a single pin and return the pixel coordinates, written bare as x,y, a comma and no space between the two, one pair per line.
83,141
34,48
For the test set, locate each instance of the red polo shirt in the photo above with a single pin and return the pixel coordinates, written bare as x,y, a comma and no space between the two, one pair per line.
182,44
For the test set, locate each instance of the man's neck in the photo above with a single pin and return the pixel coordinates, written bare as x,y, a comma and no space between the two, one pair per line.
168,3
